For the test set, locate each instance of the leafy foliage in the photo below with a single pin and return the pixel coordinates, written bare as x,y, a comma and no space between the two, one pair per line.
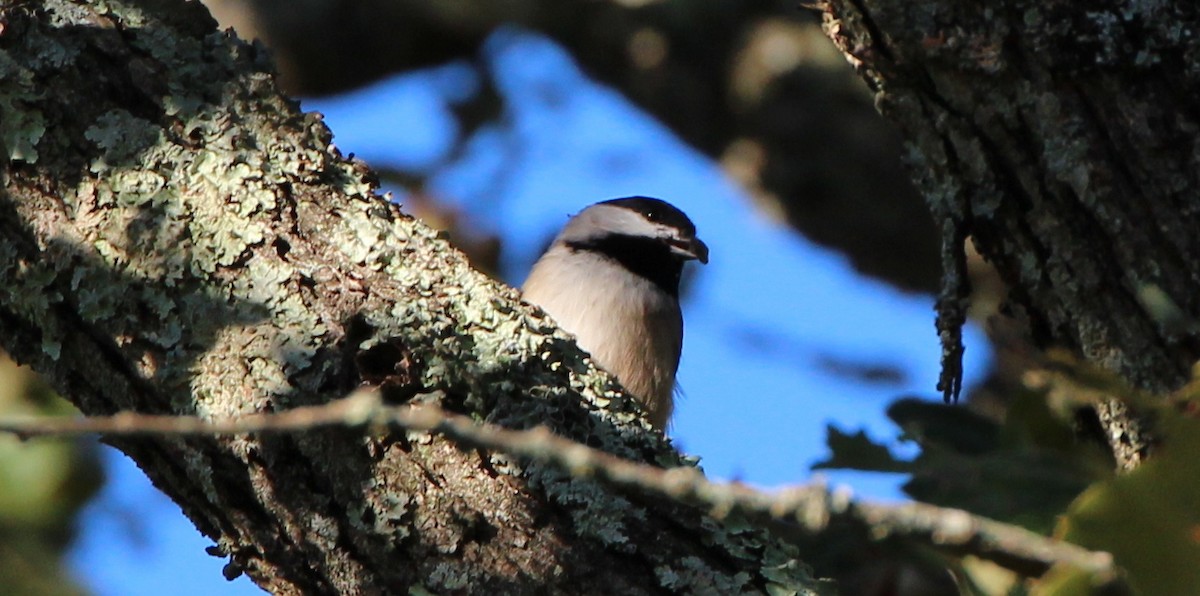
1025,470
1036,469
43,485
1149,518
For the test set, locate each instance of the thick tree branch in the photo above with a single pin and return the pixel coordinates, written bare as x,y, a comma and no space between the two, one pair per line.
177,238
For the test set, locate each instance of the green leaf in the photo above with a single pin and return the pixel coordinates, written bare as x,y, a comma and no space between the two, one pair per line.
1149,519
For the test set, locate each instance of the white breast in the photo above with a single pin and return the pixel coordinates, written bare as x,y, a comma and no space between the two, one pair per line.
630,326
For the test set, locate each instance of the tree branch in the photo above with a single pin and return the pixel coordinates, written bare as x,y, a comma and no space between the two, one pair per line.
178,238
812,507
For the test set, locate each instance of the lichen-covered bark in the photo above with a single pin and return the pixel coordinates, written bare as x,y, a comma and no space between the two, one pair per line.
176,237
1062,137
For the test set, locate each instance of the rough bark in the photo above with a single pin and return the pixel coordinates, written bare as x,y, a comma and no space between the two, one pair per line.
177,237
1062,138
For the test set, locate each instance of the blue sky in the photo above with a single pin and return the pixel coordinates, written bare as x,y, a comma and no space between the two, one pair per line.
760,318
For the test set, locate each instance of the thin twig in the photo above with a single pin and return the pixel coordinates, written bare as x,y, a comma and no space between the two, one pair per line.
811,506
354,409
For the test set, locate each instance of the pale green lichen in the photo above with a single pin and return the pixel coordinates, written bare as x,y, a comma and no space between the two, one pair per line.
596,512
49,53
391,512
781,567
21,128
64,14
171,215
165,223
692,575
446,577
322,526
121,136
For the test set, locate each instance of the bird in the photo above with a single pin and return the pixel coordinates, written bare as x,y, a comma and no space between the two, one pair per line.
611,279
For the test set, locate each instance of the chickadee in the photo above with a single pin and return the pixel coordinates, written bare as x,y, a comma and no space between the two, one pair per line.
611,278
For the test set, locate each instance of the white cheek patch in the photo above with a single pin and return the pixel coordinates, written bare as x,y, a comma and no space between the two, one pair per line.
600,220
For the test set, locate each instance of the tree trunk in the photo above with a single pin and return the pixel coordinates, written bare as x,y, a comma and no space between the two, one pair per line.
1062,138
176,237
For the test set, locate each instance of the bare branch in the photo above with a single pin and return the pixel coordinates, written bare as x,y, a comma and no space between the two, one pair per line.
812,506
349,411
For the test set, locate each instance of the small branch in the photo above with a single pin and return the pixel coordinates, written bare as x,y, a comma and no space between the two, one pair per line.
952,303
352,410
812,506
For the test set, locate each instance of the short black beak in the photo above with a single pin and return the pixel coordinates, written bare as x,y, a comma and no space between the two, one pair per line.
690,248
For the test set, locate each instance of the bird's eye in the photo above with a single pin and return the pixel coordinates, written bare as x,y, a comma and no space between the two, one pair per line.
653,215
